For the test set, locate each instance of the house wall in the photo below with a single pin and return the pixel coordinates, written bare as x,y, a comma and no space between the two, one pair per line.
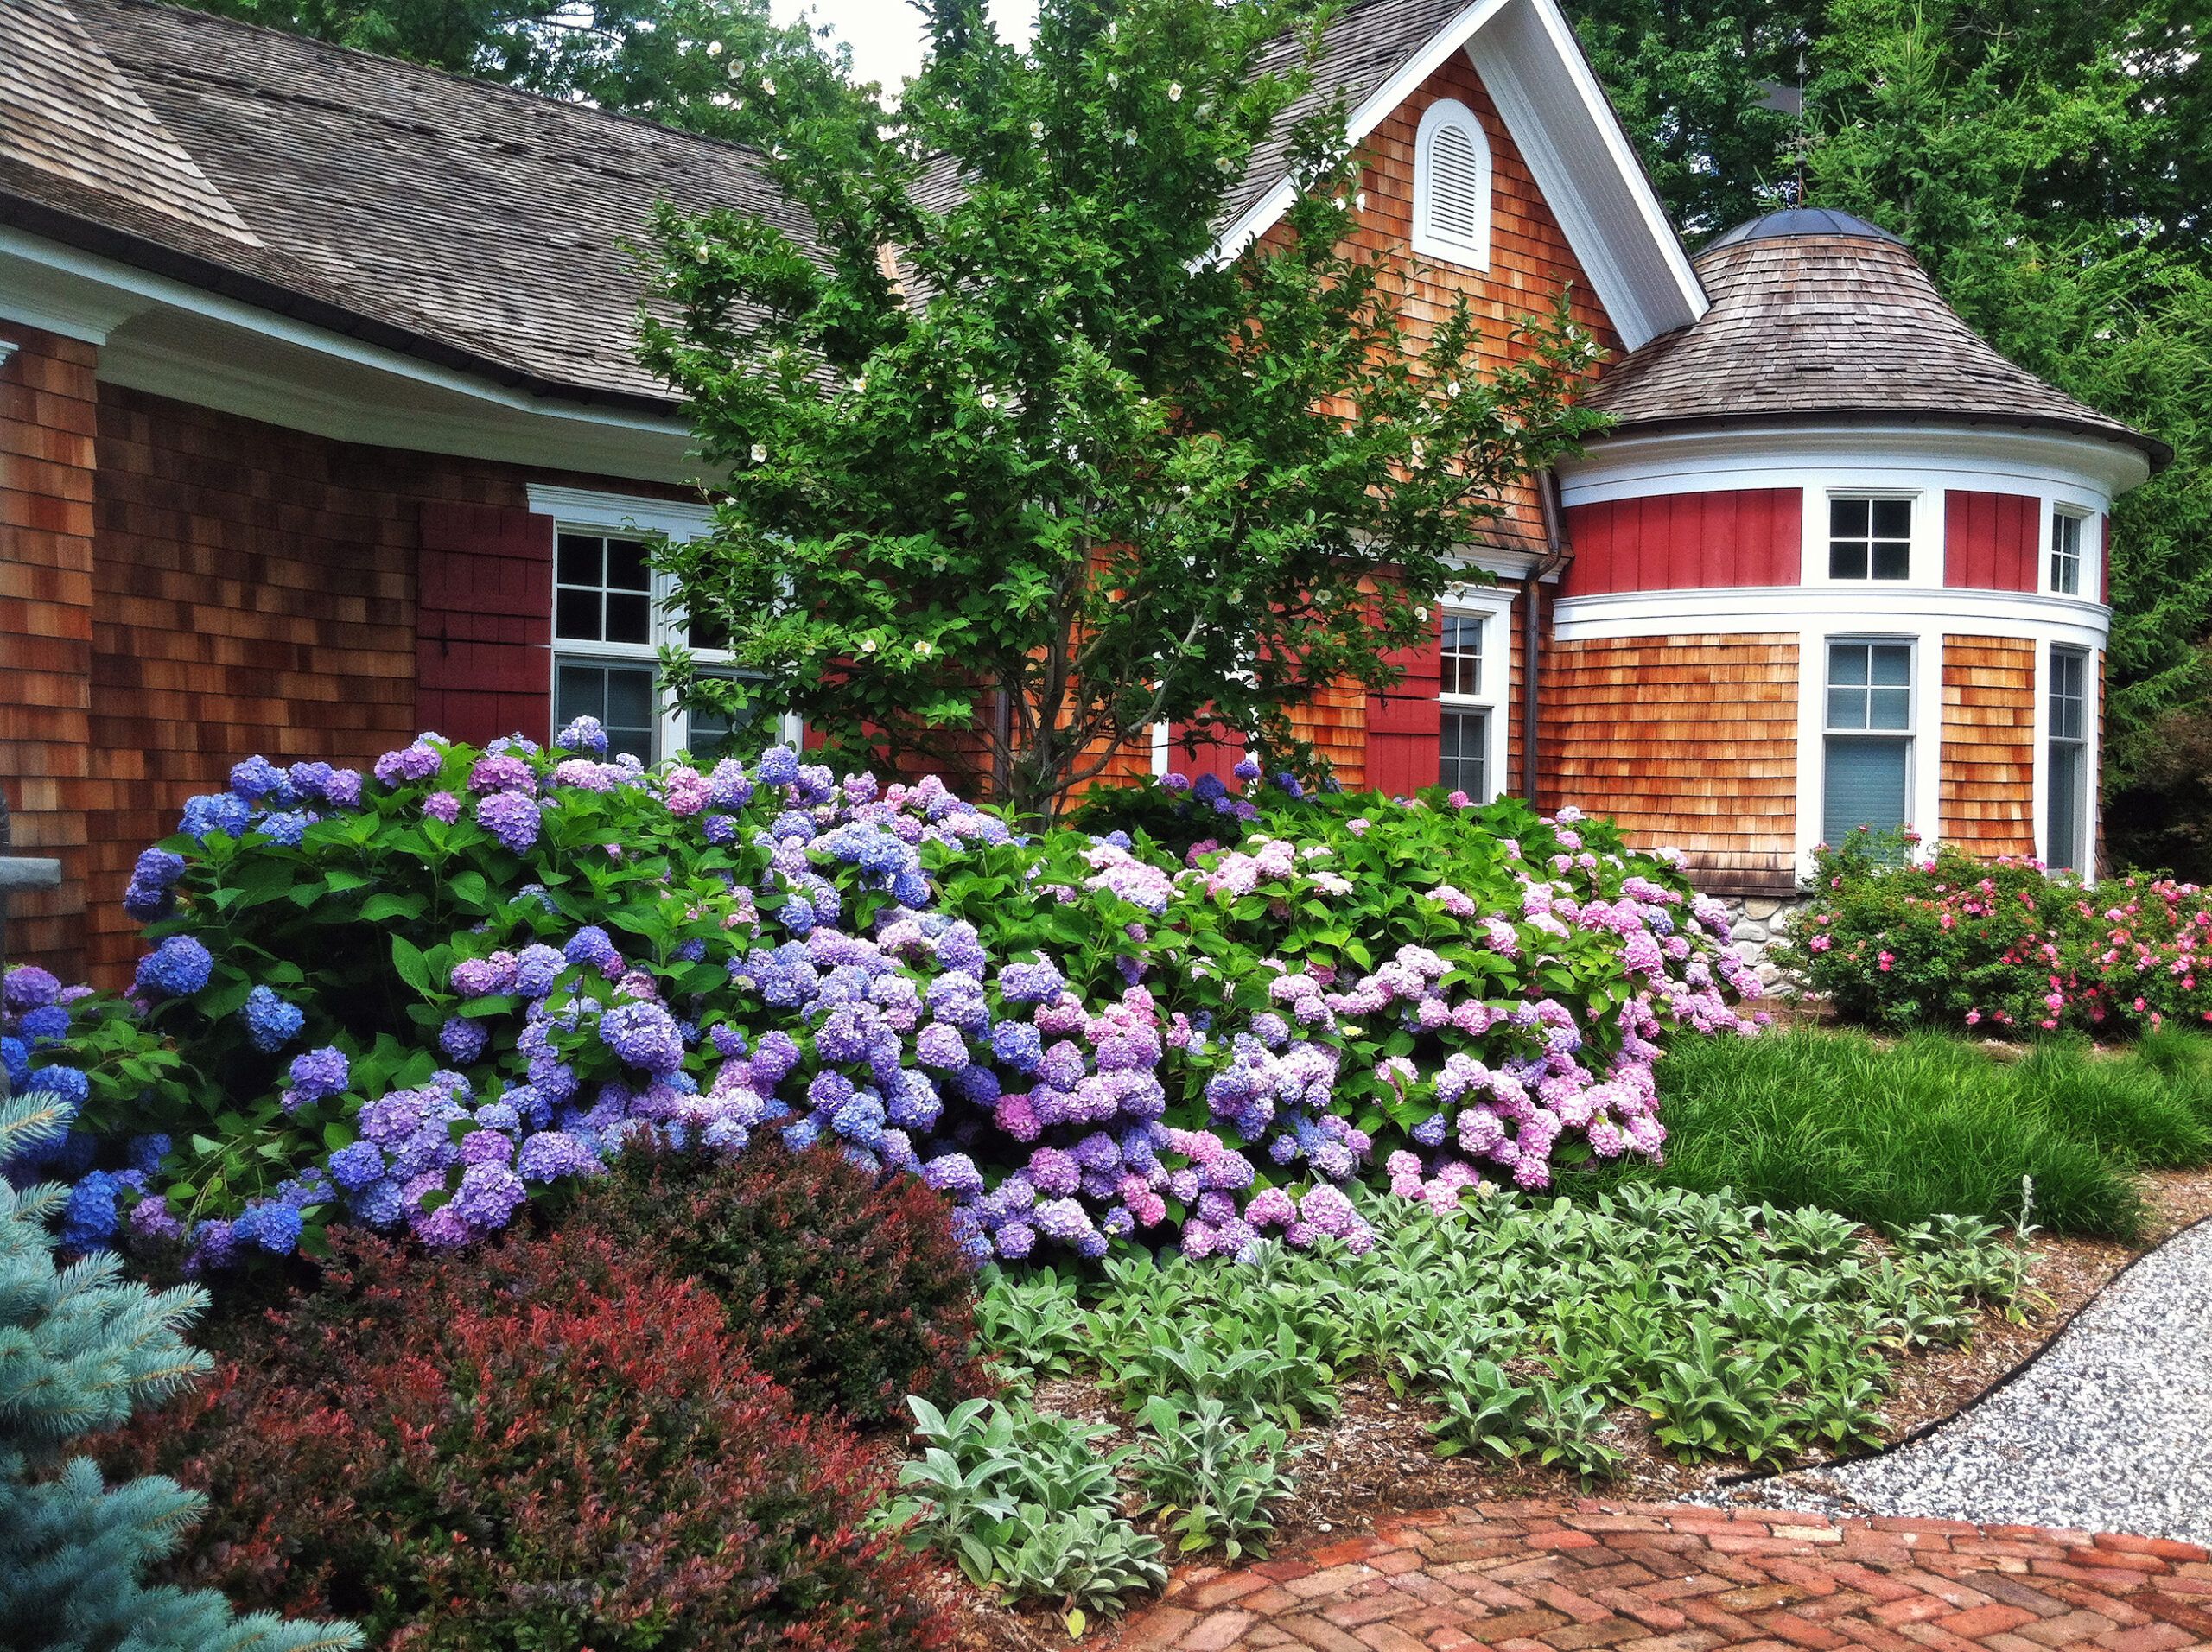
1991,540
209,586
49,407
1686,541
1689,741
1985,804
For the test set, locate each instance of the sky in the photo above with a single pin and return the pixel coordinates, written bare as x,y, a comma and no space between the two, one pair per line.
885,36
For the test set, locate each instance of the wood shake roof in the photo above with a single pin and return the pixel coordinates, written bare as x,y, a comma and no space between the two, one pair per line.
479,227
1819,317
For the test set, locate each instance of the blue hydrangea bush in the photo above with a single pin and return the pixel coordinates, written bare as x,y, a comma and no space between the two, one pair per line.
422,998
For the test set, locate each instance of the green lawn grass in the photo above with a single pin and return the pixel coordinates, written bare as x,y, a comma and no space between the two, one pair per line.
1893,1132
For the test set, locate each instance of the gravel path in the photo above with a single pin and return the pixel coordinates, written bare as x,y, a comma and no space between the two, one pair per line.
2110,1430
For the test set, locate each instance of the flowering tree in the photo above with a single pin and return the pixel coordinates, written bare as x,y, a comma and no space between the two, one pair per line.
1014,464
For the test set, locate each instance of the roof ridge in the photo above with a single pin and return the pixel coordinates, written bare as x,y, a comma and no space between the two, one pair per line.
498,88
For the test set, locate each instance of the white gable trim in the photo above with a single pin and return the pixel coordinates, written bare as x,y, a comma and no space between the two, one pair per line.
1590,178
1263,214
1558,116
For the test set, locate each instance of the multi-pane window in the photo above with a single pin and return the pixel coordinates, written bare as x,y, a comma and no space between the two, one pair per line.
1866,777
2066,837
602,590
2066,553
1465,725
608,625
1869,538
620,696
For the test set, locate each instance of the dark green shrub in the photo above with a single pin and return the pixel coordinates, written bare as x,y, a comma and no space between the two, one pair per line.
851,1294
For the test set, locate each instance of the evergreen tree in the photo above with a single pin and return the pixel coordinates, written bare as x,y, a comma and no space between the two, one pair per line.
79,1347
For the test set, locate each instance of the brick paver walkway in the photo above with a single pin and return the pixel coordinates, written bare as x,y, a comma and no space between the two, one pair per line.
1552,1577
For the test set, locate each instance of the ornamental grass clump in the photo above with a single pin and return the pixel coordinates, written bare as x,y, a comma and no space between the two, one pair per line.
421,1000
2006,946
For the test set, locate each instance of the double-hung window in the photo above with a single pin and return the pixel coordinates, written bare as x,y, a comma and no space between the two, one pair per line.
610,621
1870,538
2066,836
2066,552
1866,778
1471,676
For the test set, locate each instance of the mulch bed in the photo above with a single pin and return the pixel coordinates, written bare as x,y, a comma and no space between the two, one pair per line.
1374,1459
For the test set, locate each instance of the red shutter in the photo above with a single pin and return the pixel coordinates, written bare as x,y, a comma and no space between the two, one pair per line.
483,623
1989,540
1219,751
2104,551
1402,725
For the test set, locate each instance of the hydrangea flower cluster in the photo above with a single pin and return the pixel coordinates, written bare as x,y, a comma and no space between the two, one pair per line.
775,950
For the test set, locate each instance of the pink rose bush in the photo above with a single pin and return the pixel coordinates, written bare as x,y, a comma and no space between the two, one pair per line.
423,999
2004,947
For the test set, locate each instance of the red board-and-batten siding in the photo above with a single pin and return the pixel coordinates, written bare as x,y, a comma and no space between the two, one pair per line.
1991,541
1678,541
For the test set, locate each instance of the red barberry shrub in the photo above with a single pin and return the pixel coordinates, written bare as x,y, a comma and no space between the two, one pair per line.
547,1443
851,1293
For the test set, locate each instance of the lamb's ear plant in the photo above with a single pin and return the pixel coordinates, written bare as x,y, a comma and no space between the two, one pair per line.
1209,1476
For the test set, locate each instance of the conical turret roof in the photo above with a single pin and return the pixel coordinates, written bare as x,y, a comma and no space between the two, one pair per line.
1819,316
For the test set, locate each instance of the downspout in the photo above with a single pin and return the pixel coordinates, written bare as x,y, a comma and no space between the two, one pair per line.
1557,553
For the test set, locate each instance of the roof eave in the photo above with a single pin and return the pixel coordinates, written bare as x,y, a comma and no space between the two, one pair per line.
103,240
2157,453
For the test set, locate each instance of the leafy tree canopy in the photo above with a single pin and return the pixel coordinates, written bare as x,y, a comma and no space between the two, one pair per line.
1016,466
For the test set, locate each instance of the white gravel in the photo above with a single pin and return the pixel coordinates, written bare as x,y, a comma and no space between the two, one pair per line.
2110,1430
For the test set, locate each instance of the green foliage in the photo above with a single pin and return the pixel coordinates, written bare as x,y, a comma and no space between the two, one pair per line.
1893,1133
80,1349
1208,1477
850,1291
1064,474
1954,941
1748,1331
1027,1506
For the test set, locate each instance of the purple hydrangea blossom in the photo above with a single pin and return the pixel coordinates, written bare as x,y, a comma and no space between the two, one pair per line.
317,1074
512,817
178,968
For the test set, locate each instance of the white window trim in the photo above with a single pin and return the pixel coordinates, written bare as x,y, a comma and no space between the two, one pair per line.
1475,254
1924,564
2092,744
2090,579
1924,755
619,516
1494,607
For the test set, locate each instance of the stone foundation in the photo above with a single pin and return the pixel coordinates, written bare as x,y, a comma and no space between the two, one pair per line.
1755,924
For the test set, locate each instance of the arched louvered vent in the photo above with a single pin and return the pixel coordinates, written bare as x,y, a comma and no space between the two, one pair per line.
1451,186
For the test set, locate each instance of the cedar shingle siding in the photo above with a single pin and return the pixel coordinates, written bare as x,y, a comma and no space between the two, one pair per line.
1689,741
1989,750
